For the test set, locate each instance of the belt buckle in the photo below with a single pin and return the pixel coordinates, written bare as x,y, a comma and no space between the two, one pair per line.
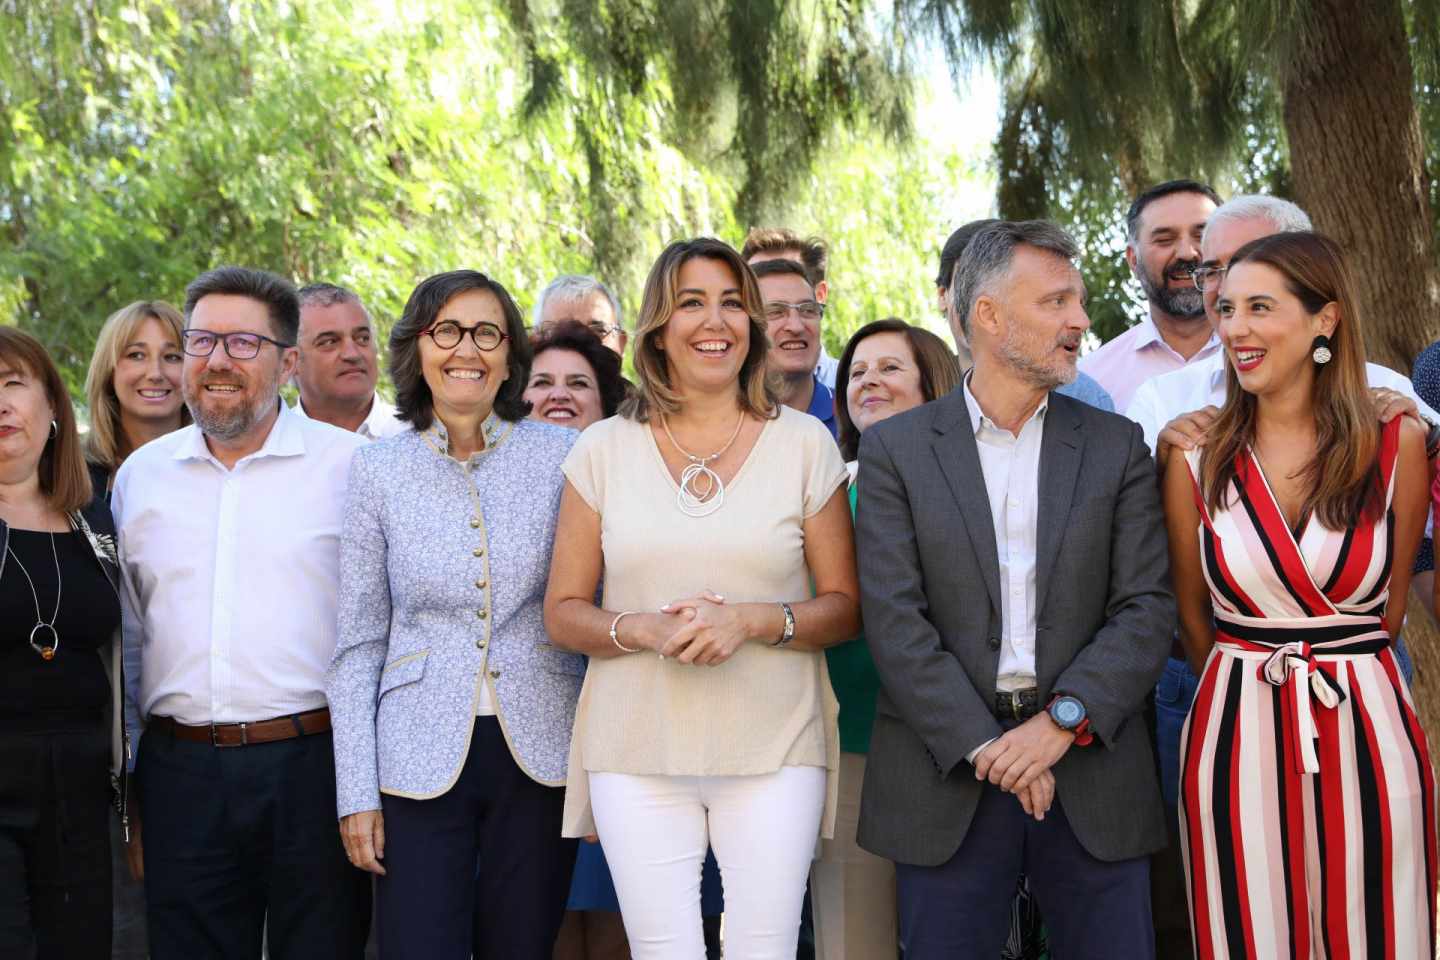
1017,704
244,736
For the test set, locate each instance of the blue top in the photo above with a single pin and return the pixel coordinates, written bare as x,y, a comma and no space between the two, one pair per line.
822,405
1087,389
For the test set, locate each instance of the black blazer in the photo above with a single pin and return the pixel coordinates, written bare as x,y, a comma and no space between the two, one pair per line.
930,592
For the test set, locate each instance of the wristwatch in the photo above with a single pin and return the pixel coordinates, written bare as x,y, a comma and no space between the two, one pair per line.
1068,713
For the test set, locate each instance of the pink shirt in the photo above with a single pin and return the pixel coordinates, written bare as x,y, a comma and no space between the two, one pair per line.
1135,356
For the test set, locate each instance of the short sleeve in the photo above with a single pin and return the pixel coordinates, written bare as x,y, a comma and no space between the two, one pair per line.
584,466
824,468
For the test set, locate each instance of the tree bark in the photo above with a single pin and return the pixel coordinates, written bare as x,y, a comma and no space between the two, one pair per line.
1358,162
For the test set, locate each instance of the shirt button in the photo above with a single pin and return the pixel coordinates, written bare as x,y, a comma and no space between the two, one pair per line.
479,551
494,674
480,643
481,614
480,584
994,643
475,522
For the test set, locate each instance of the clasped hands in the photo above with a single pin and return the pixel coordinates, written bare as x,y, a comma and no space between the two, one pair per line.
1019,762
698,630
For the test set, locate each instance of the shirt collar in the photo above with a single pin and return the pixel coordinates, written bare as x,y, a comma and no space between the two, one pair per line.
381,416
979,421
1147,334
822,402
496,430
285,439
1215,365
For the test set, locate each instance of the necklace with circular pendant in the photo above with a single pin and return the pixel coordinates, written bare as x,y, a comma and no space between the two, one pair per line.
701,491
46,652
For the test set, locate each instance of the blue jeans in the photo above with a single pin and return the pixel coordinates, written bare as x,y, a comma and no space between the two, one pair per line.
1173,696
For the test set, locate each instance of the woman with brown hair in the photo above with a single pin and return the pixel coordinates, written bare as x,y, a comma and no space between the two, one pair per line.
133,386
1306,792
717,520
60,679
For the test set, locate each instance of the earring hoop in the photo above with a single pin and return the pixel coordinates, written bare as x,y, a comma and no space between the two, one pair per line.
54,429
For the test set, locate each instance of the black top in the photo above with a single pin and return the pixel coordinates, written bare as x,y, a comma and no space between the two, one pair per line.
34,691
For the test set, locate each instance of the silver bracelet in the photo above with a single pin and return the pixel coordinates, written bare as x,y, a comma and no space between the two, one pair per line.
615,638
788,633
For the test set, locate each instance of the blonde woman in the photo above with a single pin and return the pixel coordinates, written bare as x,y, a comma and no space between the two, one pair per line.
133,386
718,520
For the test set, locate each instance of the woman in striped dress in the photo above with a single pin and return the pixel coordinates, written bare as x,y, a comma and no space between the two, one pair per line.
1307,795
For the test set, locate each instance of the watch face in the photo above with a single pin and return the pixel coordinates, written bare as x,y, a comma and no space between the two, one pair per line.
1067,712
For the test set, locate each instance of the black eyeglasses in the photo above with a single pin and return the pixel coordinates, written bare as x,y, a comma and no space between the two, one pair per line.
238,346
777,310
1207,277
447,335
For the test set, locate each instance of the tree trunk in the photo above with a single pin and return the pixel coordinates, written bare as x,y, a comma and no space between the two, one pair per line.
1358,163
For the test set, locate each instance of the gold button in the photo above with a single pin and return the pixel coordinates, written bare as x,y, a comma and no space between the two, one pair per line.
479,551
481,614
494,674
480,584
475,522
480,644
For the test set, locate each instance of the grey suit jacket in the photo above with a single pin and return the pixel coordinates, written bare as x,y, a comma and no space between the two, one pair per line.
929,578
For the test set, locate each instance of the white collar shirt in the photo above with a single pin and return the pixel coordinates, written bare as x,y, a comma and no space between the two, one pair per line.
1202,384
1139,354
229,576
378,424
1011,467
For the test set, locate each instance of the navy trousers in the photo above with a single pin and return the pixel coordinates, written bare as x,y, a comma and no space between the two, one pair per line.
238,837
433,902
1094,910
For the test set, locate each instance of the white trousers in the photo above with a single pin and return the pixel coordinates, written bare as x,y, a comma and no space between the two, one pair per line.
763,829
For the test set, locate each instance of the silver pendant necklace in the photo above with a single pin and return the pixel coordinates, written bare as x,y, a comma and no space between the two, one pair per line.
693,499
46,653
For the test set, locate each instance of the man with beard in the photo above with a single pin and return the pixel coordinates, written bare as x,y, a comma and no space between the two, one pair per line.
229,542
1163,229
1017,603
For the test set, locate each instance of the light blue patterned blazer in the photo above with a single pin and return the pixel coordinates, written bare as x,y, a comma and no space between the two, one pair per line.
443,571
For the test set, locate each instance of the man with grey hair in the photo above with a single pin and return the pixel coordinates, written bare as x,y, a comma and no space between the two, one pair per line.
584,300
339,364
1019,611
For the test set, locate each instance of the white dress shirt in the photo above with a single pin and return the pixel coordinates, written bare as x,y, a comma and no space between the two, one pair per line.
1161,399
378,424
1011,466
229,577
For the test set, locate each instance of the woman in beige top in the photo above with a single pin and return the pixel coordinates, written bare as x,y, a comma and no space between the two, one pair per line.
719,521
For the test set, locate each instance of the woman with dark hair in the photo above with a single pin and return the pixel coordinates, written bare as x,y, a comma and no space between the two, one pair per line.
717,520
575,380
1307,800
451,708
60,684
889,366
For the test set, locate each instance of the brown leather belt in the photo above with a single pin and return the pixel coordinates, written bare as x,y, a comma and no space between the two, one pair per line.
245,734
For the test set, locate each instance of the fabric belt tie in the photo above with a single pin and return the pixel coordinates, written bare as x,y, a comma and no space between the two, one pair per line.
1296,666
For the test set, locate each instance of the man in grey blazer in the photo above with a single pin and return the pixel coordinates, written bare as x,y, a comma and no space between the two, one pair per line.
1016,597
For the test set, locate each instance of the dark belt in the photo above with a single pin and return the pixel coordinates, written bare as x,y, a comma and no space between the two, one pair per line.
245,734
1017,704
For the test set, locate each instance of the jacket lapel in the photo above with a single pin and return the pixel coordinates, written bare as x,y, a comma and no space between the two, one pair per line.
1060,452
960,463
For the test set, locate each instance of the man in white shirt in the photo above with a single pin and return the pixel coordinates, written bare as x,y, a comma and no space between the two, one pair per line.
229,541
1017,606
339,364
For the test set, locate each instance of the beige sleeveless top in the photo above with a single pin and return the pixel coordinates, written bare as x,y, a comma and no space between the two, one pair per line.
764,708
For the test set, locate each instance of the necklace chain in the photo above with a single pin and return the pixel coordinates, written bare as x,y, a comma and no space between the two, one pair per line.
693,499
46,653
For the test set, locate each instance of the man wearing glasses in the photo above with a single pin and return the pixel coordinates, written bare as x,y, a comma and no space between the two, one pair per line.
792,318
585,300
229,541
